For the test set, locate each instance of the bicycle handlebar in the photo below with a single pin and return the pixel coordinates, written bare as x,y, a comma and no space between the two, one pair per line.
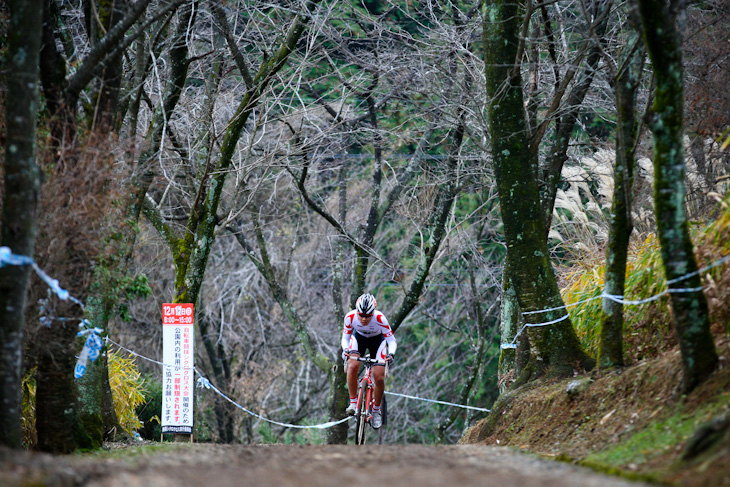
368,360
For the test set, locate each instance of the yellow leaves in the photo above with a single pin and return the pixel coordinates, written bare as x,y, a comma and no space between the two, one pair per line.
128,388
27,420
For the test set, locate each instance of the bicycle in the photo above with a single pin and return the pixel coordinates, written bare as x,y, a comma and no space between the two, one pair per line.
366,401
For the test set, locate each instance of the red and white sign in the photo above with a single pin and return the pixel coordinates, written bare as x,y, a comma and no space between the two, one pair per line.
177,372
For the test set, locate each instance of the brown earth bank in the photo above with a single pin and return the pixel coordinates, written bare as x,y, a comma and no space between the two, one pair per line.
632,421
298,465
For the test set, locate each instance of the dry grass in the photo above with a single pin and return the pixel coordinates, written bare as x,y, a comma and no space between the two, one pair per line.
77,213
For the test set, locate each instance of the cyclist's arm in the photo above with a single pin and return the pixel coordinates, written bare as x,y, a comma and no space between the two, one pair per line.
392,344
347,331
387,333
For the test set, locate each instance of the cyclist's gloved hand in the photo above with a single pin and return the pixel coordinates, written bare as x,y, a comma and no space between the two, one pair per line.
345,354
390,359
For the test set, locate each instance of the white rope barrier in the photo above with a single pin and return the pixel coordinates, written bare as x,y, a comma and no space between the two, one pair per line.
619,299
513,343
92,346
203,382
438,402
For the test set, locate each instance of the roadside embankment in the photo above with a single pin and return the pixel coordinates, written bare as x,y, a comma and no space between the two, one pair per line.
631,421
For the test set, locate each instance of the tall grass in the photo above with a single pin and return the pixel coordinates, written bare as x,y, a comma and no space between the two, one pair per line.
647,327
644,278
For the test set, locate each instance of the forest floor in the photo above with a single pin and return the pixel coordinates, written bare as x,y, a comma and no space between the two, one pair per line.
199,464
631,421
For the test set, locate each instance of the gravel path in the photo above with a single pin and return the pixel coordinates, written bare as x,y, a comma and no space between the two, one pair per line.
303,466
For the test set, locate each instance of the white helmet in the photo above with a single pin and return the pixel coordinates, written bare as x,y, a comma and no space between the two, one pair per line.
365,304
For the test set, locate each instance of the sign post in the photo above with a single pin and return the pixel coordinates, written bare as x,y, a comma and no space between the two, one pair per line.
177,370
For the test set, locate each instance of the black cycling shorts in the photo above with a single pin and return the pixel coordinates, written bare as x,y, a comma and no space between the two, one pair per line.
361,344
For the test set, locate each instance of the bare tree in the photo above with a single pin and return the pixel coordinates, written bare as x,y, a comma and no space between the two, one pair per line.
57,413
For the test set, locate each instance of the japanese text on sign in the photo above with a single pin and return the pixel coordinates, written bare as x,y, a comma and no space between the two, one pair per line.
177,352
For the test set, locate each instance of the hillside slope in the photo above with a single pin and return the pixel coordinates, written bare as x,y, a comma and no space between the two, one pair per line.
632,421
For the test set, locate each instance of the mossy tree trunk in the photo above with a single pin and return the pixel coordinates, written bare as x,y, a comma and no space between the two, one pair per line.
527,254
689,305
610,351
340,396
20,203
549,172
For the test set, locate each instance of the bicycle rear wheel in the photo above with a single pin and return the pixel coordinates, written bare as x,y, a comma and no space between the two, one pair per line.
381,430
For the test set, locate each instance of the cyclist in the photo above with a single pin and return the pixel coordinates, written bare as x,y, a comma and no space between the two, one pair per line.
367,329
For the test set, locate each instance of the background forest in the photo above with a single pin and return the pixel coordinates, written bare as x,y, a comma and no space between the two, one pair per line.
271,161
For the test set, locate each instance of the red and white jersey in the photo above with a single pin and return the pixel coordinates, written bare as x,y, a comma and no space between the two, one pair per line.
378,324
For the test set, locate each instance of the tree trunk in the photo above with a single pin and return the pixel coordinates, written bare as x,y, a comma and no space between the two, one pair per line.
610,351
340,396
524,226
689,305
509,323
339,399
220,364
20,202
57,420
109,419
89,403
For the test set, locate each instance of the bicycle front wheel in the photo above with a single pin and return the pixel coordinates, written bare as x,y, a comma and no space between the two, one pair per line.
362,413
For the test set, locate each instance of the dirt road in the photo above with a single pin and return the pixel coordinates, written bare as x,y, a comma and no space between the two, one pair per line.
301,466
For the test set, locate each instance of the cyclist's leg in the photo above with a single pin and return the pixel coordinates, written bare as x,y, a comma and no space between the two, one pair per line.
379,373
353,366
